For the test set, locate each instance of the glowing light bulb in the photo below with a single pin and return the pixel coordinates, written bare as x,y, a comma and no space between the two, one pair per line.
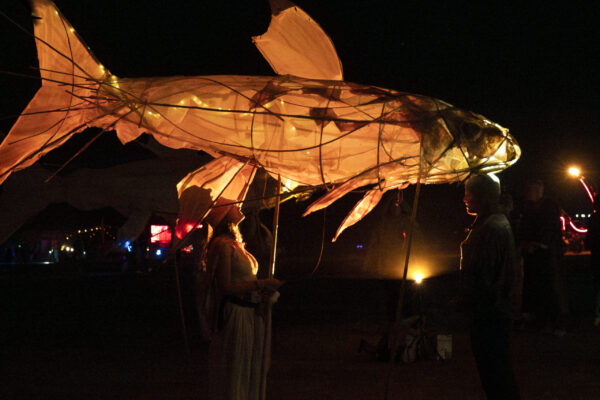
114,81
574,171
418,278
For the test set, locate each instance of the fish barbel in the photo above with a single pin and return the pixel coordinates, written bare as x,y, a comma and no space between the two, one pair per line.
306,124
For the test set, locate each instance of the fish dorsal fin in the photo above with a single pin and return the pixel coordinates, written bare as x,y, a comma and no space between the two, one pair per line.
295,44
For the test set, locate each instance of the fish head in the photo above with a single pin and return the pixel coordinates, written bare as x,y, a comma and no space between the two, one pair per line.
478,144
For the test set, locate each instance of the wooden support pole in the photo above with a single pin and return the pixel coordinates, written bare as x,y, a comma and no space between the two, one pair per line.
393,335
266,363
275,229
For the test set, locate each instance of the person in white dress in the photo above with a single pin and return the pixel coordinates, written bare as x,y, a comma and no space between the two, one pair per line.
237,365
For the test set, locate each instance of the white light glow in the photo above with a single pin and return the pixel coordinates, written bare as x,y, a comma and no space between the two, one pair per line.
574,171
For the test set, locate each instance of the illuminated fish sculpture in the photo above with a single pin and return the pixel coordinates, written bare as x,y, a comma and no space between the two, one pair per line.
306,125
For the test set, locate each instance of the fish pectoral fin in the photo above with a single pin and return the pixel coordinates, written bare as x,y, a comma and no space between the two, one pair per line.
362,208
339,192
295,44
224,177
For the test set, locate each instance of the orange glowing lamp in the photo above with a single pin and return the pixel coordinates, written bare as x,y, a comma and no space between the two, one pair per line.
418,279
574,171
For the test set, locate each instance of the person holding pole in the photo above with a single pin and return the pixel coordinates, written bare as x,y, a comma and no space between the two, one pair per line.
238,343
488,269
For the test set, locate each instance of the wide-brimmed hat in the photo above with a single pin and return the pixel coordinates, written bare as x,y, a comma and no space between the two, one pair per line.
219,210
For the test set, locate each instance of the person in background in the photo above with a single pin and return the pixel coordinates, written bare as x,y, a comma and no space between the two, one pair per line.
237,362
488,269
542,247
506,206
592,242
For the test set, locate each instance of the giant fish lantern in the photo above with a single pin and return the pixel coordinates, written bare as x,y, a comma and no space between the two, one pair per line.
305,125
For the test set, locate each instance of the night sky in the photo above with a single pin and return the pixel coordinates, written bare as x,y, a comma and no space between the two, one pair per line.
531,67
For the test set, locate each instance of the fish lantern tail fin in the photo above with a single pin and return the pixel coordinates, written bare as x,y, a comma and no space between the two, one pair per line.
64,105
64,59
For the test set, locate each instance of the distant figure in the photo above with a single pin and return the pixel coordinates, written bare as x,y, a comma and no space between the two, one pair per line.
592,242
237,350
541,245
488,261
506,206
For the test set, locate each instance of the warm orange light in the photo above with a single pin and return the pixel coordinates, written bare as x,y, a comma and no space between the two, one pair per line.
574,171
418,278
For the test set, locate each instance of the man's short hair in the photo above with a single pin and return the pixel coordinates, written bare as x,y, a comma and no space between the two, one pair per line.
484,186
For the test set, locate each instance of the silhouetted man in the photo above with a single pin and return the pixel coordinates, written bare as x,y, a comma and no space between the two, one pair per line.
488,265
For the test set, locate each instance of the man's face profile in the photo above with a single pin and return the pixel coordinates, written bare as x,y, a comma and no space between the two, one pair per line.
472,203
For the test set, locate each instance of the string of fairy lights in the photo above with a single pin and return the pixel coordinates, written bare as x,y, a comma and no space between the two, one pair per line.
85,234
92,232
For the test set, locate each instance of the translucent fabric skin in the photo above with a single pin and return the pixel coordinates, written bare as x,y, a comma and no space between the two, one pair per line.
308,131
306,125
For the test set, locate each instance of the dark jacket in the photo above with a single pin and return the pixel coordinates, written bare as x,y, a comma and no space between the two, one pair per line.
488,266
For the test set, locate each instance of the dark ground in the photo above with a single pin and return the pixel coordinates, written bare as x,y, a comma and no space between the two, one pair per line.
117,336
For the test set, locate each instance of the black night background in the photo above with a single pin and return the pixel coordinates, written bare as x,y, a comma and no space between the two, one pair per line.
531,67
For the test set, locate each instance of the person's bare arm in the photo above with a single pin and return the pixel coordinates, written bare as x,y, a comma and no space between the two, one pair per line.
223,271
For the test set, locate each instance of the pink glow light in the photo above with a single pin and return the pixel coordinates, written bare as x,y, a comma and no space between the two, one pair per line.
576,229
160,234
563,222
587,189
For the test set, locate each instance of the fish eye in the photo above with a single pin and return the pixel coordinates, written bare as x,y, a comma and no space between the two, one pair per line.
469,130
